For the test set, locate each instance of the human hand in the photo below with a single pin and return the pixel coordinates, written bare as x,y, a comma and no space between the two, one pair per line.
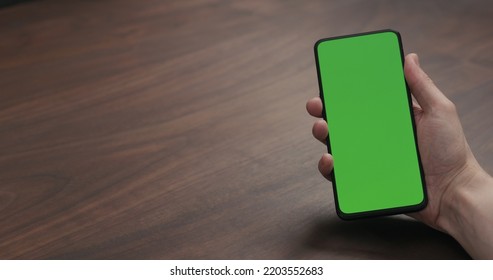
446,157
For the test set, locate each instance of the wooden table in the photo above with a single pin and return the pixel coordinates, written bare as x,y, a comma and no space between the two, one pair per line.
177,129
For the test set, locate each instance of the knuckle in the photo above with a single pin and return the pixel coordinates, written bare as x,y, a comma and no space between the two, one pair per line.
449,106
428,79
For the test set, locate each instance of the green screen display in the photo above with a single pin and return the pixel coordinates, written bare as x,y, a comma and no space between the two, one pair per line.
371,135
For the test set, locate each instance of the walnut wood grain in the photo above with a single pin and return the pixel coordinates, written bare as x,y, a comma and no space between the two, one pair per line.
177,129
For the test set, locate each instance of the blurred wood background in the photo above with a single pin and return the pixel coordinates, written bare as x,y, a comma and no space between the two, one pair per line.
177,129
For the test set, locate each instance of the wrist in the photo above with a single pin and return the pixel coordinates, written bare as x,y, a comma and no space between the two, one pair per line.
468,196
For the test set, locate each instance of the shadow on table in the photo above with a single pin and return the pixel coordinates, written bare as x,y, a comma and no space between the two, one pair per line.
395,237
5,3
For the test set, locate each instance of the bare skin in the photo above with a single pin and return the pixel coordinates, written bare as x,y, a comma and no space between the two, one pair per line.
460,192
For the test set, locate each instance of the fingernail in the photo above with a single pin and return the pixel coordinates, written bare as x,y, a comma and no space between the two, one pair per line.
417,60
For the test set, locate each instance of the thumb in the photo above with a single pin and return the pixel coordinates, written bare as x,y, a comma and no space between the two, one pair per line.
422,87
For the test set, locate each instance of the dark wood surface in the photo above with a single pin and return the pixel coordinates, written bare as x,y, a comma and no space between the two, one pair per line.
177,129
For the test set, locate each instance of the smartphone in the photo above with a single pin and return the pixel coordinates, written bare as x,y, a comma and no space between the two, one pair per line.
372,135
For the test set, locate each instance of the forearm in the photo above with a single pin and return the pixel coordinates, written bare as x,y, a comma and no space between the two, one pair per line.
469,213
